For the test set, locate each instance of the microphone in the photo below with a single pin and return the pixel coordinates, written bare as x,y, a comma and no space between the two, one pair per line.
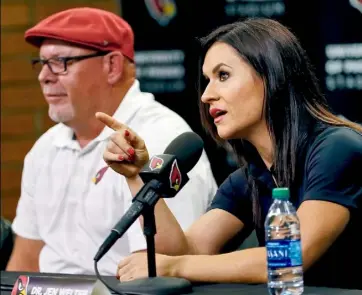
171,168
164,176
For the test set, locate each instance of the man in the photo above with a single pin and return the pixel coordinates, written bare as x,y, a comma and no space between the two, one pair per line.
69,199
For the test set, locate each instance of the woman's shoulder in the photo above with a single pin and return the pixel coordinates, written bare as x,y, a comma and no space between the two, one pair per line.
340,132
337,138
335,144
238,176
235,182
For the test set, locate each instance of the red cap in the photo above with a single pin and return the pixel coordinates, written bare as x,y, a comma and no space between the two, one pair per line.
90,27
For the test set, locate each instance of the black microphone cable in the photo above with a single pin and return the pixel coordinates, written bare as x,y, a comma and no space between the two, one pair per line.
104,282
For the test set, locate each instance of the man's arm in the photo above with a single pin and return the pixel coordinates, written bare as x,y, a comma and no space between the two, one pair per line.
25,255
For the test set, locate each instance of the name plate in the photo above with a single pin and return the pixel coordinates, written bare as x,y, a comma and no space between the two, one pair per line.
54,285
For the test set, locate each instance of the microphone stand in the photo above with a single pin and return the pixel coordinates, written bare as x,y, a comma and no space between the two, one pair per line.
149,230
153,284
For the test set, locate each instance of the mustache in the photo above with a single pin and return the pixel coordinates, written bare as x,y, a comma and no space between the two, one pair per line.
53,91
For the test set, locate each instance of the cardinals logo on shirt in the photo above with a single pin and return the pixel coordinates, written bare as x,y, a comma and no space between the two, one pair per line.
175,176
163,11
156,163
356,4
20,286
99,175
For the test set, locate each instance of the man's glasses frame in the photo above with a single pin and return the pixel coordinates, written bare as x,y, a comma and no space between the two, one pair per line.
62,62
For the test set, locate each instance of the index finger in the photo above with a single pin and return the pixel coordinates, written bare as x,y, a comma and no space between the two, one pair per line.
109,121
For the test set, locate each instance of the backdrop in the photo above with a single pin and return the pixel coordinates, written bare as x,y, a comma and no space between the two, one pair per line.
166,33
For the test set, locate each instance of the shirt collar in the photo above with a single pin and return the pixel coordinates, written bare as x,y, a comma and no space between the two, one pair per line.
256,165
130,104
257,168
124,113
64,137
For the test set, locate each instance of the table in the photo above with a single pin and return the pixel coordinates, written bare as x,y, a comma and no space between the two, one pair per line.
8,279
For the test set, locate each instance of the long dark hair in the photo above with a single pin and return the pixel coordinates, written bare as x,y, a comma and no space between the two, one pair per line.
293,101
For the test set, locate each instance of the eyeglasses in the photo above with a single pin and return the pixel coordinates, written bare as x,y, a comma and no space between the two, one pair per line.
58,65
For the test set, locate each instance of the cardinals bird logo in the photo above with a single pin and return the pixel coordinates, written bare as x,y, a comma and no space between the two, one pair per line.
163,11
99,175
156,163
21,285
356,4
175,176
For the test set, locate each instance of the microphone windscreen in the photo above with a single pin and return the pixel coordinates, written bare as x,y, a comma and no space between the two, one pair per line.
187,147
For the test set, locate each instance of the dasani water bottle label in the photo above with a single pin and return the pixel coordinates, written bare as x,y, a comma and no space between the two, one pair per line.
283,253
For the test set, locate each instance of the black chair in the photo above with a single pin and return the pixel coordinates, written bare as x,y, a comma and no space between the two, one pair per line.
6,242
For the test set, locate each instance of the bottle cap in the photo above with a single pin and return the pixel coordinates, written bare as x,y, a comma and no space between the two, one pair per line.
281,193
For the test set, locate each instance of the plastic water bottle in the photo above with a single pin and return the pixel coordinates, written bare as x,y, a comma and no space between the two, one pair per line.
284,252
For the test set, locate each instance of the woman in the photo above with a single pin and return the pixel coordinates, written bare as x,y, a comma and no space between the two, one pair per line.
259,95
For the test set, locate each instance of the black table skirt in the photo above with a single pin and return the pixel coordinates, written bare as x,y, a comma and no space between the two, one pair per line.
8,279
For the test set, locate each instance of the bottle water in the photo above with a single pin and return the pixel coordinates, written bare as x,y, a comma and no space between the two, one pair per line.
284,252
